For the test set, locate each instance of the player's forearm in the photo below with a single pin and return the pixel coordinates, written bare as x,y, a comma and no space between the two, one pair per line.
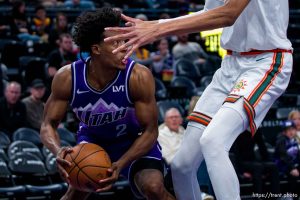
216,18
196,23
140,147
50,138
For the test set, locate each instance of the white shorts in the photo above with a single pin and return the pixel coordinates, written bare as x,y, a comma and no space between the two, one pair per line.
257,78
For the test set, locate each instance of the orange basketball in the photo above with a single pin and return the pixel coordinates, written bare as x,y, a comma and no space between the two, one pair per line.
89,165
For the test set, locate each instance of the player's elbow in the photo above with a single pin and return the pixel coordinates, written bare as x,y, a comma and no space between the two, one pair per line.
229,18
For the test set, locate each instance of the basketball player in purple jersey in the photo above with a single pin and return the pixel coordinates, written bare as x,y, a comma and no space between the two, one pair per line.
114,101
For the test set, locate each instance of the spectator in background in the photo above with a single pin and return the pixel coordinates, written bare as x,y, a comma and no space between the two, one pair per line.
61,56
171,134
34,104
287,155
41,24
250,166
51,3
295,117
80,4
162,59
19,26
59,27
189,50
12,110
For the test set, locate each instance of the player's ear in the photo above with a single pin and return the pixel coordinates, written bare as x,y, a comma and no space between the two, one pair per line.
96,49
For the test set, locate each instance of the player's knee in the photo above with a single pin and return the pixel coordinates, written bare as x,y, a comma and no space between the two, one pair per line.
154,189
210,146
179,166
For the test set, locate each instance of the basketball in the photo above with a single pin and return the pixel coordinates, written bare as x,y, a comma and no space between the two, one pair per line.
89,165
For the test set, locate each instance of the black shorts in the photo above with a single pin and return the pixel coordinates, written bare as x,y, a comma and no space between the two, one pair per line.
140,164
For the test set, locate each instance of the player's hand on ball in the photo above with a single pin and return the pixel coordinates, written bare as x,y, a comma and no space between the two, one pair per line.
62,163
108,182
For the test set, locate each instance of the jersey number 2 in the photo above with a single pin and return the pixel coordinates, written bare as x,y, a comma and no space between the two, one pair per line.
121,128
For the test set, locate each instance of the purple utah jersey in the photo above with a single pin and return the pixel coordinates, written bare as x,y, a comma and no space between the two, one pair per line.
107,117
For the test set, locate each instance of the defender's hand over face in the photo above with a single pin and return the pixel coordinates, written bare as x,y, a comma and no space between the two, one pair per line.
137,33
62,163
108,182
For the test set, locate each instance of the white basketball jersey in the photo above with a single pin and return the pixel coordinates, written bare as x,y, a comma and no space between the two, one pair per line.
261,26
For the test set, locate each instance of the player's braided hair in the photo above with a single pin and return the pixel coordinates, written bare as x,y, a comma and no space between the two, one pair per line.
89,27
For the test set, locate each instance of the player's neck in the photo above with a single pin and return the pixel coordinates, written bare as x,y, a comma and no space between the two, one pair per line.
99,75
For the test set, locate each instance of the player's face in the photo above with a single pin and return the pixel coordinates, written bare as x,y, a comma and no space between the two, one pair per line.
114,60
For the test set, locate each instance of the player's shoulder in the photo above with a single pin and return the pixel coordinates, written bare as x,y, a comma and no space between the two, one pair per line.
62,81
140,71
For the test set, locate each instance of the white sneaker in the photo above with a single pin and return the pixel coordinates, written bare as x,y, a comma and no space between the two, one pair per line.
206,196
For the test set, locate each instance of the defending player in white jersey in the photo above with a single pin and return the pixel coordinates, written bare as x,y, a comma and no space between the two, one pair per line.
253,75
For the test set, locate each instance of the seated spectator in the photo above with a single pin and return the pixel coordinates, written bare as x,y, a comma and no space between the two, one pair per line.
4,27
80,4
189,50
162,59
251,167
142,56
287,155
12,110
51,3
61,56
295,117
41,24
34,104
59,27
171,134
19,26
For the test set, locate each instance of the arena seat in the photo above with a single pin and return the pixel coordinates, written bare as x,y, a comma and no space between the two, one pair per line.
184,82
23,146
282,113
28,169
67,136
27,134
13,192
186,68
3,155
32,67
10,56
51,191
4,171
205,80
4,140
160,89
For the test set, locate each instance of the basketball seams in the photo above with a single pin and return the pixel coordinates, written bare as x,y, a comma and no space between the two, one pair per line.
73,159
88,156
77,163
88,166
87,176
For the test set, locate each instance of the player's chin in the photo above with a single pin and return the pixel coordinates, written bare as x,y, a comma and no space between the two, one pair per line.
121,65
